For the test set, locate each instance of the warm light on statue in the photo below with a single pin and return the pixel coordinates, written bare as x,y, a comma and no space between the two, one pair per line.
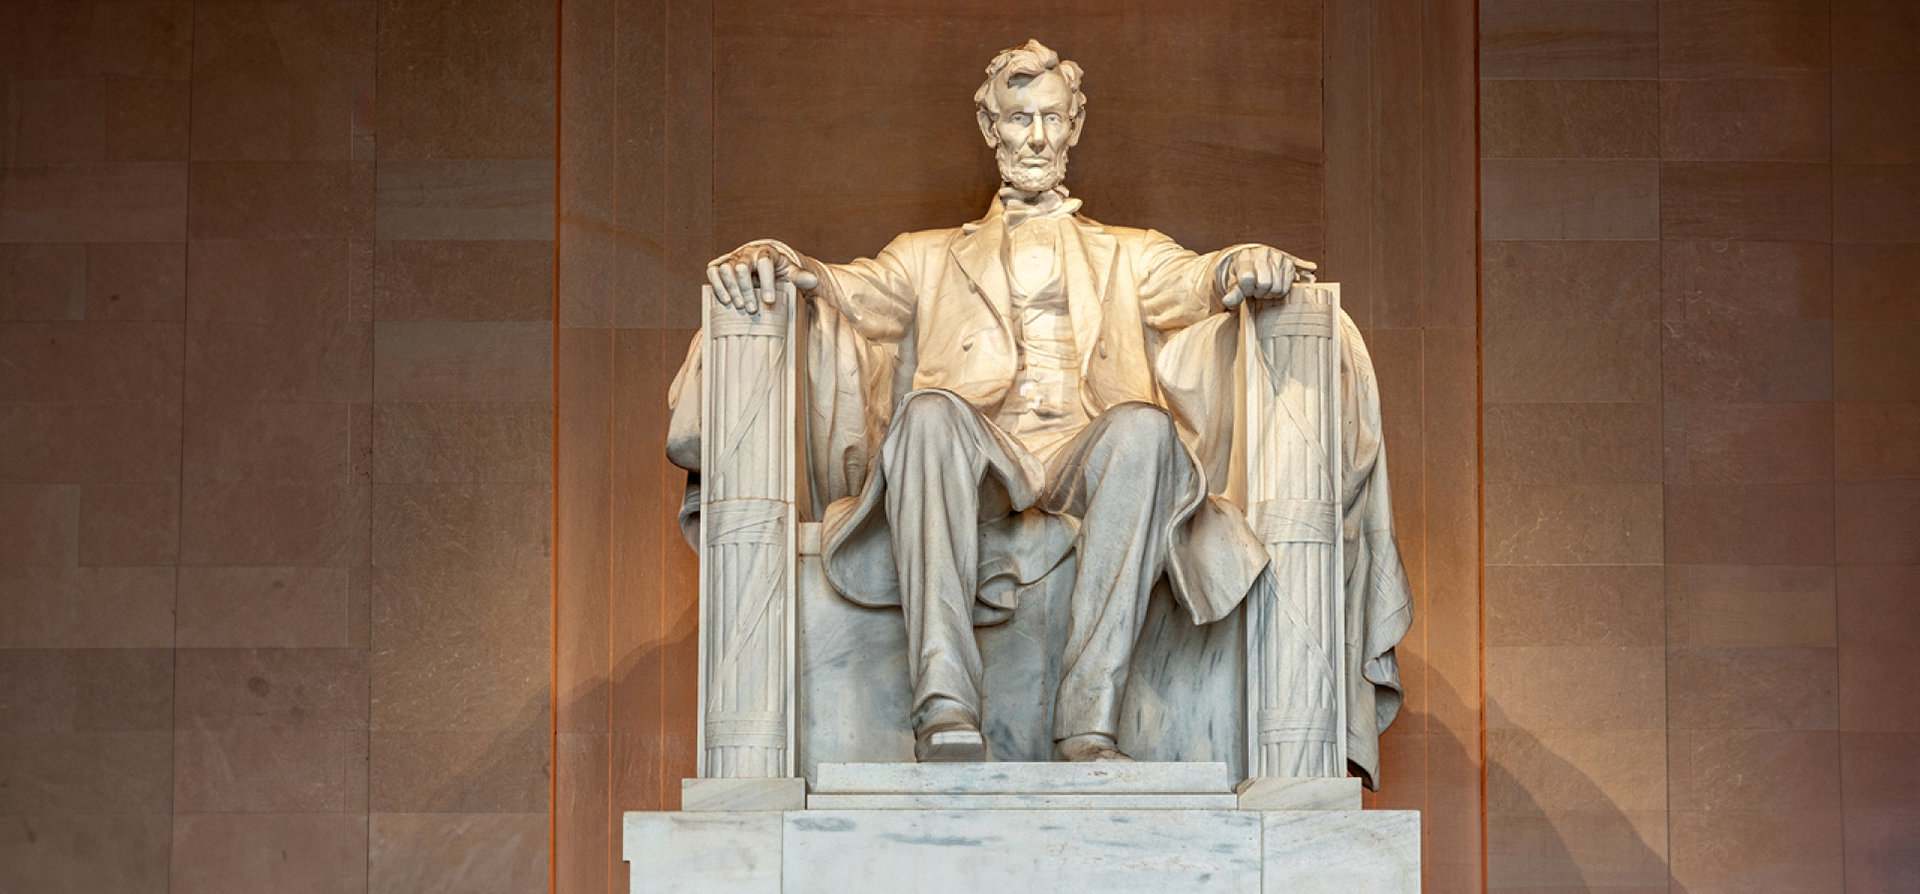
1041,494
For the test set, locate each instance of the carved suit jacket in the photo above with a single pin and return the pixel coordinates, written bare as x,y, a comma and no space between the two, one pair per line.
942,297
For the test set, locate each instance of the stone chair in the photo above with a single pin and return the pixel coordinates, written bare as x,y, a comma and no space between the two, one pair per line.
792,676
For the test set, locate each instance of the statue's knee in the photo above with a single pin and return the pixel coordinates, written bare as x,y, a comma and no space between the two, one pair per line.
1142,425
926,416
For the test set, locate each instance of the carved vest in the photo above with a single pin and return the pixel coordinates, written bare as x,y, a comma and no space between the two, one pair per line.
1042,410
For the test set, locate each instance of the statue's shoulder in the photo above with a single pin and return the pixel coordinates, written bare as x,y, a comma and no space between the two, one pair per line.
928,240
1129,235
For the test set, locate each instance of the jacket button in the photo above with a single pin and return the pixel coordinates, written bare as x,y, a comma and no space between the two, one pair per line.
1102,345
967,345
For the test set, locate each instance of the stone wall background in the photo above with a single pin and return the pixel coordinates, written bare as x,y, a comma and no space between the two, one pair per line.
311,583
1702,354
276,398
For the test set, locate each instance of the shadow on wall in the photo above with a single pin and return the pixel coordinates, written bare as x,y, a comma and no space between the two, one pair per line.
658,686
1441,777
475,813
1550,825
648,700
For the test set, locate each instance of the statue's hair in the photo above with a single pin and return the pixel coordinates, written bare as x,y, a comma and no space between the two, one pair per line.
1031,59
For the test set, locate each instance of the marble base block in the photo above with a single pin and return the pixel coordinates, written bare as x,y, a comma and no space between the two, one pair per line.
1297,793
723,852
1006,851
1114,777
944,801
788,793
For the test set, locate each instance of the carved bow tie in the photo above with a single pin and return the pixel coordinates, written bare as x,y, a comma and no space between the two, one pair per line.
1022,207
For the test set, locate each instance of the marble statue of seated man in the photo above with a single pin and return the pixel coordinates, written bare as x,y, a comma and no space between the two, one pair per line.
1034,406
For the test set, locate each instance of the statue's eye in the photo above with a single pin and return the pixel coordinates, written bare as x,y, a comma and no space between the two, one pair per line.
1053,119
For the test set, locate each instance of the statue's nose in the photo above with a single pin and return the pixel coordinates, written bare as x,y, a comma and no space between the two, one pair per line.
1036,135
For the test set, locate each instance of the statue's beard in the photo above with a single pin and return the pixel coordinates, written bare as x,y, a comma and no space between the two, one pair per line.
1032,179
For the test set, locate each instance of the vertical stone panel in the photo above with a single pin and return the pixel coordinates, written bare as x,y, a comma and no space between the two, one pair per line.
272,692
94,199
1877,500
461,435
1778,417
1576,745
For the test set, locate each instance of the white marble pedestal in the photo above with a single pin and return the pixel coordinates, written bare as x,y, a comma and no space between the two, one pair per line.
1006,828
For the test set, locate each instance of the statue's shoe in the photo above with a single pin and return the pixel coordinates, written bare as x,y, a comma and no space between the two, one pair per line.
956,744
947,732
1088,747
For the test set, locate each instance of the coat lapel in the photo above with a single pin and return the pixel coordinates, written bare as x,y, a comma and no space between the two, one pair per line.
978,252
1092,251
1088,253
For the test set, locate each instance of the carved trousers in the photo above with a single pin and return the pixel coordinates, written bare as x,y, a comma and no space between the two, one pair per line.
1119,476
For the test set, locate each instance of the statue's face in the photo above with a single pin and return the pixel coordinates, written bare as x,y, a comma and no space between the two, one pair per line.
1034,131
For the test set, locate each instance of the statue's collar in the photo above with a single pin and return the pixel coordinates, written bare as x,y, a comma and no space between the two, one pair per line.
1015,206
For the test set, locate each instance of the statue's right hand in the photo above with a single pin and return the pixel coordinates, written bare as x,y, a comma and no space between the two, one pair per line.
750,277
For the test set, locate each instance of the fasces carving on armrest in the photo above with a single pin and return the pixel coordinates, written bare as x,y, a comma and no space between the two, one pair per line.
1296,692
749,398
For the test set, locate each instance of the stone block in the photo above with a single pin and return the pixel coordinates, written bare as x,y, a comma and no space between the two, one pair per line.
1289,793
939,851
935,851
779,793
720,853
882,801
1024,778
1340,851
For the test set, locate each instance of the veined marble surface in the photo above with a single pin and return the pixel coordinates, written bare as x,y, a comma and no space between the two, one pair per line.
1025,778
941,851
758,793
1340,851
1300,793
1186,693
1021,802
714,853
1009,851
853,677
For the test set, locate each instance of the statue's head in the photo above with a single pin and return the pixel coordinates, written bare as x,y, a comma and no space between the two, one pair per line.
1030,109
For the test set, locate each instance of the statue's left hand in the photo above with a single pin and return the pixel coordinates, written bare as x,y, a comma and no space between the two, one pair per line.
1262,272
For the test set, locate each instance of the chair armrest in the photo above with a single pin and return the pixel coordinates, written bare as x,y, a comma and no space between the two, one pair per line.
1296,687
749,458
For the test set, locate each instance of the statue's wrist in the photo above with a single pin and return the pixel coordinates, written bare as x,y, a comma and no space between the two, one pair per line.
1222,272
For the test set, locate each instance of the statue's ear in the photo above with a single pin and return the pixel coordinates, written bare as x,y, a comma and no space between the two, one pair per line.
1079,121
985,119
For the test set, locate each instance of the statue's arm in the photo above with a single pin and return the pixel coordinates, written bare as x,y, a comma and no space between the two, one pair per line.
874,294
1180,287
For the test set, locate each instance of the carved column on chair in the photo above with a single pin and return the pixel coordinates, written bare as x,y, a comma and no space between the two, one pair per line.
747,541
1295,629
